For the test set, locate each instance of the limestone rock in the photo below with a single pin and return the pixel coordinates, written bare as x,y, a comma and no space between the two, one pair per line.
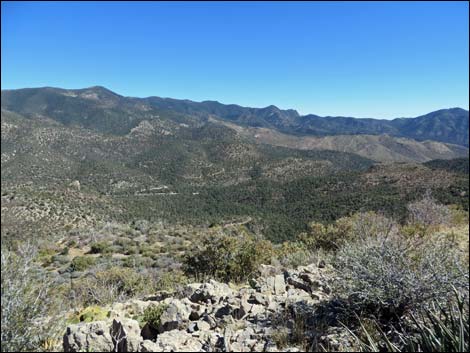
126,335
75,185
148,346
213,291
176,314
177,341
88,337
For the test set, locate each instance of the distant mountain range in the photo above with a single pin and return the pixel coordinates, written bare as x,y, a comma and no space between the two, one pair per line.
440,134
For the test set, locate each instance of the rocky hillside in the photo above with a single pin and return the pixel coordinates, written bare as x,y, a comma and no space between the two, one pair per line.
161,168
380,148
103,111
211,316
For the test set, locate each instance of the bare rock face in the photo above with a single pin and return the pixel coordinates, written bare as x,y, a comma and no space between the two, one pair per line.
209,316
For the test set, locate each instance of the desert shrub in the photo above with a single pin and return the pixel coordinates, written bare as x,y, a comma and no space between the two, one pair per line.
171,281
89,314
153,313
388,276
294,254
427,212
46,252
60,259
228,258
458,216
331,237
100,247
136,261
81,263
114,284
71,243
130,250
437,329
28,311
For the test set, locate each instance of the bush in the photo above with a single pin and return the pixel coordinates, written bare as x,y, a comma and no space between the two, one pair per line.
228,258
89,314
153,314
427,212
28,311
171,281
136,261
81,263
294,254
361,225
445,329
100,247
115,284
388,276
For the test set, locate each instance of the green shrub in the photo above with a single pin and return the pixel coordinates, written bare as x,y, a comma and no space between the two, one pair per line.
228,258
130,250
89,314
331,237
100,247
60,259
114,284
294,254
81,263
170,281
153,314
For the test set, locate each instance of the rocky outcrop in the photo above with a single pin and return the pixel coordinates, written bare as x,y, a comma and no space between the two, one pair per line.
208,316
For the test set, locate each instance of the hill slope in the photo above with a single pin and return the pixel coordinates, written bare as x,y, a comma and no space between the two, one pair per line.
381,148
103,111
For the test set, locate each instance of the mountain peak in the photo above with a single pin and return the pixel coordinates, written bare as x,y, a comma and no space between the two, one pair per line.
100,90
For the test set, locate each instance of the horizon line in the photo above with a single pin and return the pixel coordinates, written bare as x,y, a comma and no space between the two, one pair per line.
216,101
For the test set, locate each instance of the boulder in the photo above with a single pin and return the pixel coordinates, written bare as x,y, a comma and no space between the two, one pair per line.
279,285
175,315
268,271
177,341
299,284
198,326
212,291
125,335
273,285
88,337
148,346
236,311
75,185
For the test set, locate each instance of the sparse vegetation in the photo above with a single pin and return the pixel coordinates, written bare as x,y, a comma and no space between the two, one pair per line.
30,316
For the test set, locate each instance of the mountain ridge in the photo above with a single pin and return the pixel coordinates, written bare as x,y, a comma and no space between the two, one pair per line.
208,107
103,110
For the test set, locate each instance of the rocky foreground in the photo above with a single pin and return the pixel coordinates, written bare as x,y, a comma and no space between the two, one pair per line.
213,316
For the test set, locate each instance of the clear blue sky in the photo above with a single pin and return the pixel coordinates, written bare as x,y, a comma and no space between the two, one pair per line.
378,60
